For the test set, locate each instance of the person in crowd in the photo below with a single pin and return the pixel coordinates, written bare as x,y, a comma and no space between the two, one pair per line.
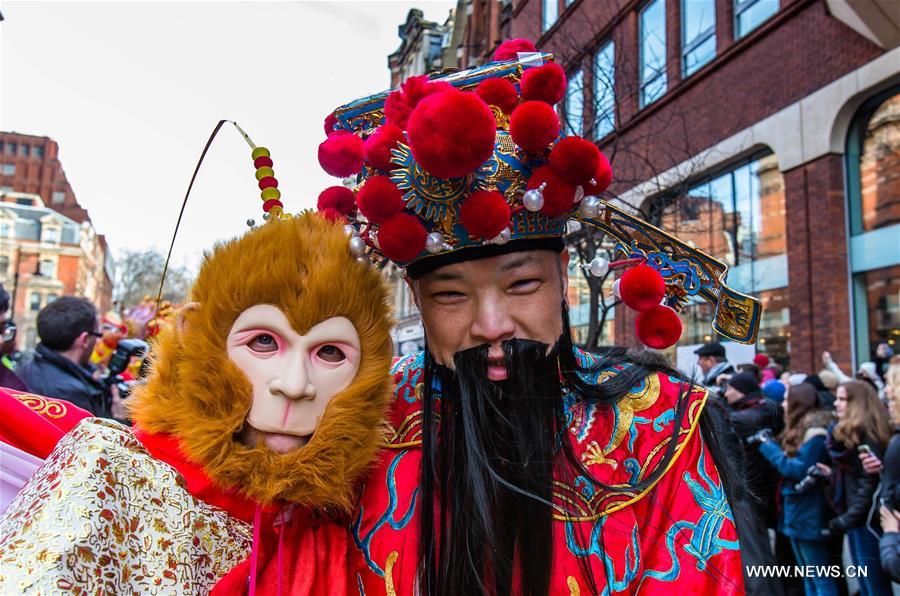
866,372
890,480
826,397
755,370
768,372
8,378
882,359
805,509
712,361
862,426
750,412
68,328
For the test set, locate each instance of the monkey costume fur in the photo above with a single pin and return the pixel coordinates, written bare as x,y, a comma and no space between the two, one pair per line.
179,504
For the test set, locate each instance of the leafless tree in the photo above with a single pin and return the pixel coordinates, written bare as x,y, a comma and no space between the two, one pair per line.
138,273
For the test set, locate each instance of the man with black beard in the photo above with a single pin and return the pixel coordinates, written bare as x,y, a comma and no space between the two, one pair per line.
515,462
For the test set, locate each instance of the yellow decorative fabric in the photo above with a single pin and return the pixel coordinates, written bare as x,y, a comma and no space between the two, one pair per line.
101,516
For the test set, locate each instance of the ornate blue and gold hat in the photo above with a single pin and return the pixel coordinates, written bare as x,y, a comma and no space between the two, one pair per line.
473,164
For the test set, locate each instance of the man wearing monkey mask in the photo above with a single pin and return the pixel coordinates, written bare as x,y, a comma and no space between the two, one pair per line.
264,406
517,463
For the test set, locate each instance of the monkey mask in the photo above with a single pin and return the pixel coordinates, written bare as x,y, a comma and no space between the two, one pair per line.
276,381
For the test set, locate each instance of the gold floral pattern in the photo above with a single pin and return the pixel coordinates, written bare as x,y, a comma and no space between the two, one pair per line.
101,516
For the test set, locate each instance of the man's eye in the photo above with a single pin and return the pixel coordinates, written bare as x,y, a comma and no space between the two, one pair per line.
448,296
524,285
330,353
263,343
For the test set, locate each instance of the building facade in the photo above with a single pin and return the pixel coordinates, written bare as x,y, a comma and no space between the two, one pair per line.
48,246
763,131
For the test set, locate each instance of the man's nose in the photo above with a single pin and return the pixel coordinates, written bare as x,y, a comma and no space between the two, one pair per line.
294,381
492,324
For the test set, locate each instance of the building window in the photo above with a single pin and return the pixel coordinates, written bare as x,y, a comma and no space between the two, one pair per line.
549,14
750,14
873,182
738,217
48,268
58,197
51,298
4,265
35,303
605,91
38,151
25,149
4,229
698,34
11,148
9,169
50,235
574,105
653,52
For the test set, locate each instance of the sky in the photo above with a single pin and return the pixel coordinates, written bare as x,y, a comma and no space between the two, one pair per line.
132,90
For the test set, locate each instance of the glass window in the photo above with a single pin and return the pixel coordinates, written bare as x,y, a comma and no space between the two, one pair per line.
48,268
698,34
738,217
51,298
25,150
4,264
575,103
58,197
11,148
750,14
51,235
653,52
605,91
873,176
35,302
4,229
549,14
38,151
9,169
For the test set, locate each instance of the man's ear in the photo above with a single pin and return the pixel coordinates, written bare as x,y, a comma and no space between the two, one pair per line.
564,271
182,320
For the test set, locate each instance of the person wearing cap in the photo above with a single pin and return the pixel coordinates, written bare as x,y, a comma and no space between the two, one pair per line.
768,372
516,462
712,361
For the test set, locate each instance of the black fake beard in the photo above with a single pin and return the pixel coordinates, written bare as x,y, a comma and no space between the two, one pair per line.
488,457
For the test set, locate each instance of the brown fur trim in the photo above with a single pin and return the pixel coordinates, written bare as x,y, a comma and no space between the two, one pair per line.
304,267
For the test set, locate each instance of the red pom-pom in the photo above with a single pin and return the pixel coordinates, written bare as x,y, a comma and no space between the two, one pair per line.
545,83
659,327
379,199
498,92
399,104
451,133
642,287
602,178
575,159
484,214
378,146
332,215
263,161
533,125
401,237
339,198
267,205
509,49
341,154
330,121
559,195
266,182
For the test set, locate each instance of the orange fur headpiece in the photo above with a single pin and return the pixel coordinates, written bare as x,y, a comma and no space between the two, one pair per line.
303,266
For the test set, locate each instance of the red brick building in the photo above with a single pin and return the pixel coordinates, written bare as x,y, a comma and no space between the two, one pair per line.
48,246
767,131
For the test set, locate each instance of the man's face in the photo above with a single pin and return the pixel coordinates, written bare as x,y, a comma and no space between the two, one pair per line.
488,301
706,363
88,343
732,395
293,376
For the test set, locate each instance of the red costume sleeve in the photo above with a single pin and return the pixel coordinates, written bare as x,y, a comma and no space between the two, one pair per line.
34,423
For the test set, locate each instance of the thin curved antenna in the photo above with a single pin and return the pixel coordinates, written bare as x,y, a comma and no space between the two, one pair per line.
212,136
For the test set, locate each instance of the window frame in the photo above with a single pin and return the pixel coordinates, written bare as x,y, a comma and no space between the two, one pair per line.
642,84
739,7
609,43
546,26
701,38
